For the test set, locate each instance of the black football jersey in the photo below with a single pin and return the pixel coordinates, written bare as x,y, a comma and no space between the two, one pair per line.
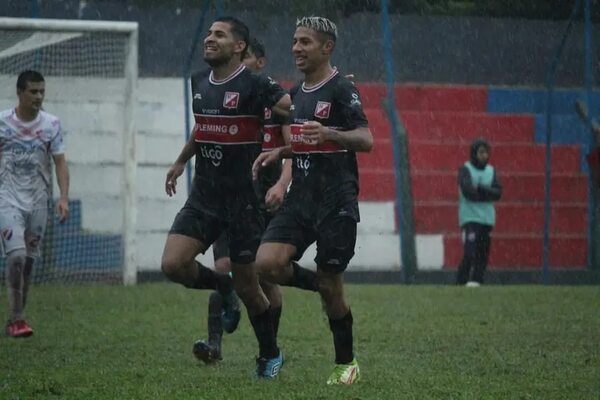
325,176
272,138
228,118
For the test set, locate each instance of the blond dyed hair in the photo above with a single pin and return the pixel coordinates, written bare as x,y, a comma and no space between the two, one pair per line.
318,24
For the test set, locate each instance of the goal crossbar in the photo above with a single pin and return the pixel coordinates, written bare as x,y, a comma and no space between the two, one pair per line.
59,30
67,25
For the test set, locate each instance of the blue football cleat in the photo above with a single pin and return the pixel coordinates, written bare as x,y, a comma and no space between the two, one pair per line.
268,368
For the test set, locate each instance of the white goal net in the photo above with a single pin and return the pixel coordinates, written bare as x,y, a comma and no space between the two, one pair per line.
90,69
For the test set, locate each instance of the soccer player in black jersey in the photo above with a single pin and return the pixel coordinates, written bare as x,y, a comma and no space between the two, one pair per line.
271,187
327,127
228,105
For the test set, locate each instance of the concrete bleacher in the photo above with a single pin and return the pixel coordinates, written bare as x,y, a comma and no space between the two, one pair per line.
89,110
566,125
441,121
76,249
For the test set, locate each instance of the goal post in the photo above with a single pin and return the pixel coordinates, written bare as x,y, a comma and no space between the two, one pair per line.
91,72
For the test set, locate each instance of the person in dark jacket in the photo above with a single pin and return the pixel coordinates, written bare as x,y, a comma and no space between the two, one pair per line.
479,188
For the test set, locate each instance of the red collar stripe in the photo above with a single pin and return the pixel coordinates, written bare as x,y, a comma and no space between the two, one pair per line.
235,73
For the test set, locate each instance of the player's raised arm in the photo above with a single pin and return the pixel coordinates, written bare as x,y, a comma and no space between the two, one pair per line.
57,149
268,158
275,155
62,178
275,195
273,96
282,107
179,166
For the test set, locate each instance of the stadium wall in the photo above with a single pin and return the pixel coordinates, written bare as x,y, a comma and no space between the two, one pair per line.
425,49
94,154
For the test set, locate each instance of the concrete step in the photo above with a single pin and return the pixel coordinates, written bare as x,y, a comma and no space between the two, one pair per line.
524,252
105,214
379,185
427,97
534,101
507,158
107,148
513,218
87,251
372,252
435,186
455,126
107,181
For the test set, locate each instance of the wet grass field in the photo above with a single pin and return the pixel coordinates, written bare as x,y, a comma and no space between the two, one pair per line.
412,342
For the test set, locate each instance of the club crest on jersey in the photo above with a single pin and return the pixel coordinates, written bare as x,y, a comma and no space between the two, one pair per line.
267,113
322,109
231,99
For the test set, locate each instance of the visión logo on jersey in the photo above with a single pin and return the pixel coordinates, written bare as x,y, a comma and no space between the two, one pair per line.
322,109
231,99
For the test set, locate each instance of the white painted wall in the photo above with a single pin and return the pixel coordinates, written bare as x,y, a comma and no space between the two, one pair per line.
90,111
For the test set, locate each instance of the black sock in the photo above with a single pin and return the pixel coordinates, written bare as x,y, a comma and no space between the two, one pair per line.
206,277
224,284
303,278
342,338
215,325
276,313
209,279
265,334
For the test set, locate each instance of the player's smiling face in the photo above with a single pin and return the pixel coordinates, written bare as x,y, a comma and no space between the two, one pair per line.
32,97
220,44
310,50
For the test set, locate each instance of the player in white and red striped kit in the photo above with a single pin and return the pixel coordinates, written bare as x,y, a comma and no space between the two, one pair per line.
29,137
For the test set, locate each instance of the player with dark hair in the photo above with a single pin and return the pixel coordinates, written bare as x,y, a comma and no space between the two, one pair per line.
328,126
271,187
29,137
228,105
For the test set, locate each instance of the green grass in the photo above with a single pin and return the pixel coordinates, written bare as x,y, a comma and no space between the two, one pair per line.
419,342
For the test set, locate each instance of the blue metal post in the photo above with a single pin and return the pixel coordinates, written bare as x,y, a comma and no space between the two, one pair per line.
402,170
591,143
186,87
35,8
35,13
218,8
547,180
548,161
